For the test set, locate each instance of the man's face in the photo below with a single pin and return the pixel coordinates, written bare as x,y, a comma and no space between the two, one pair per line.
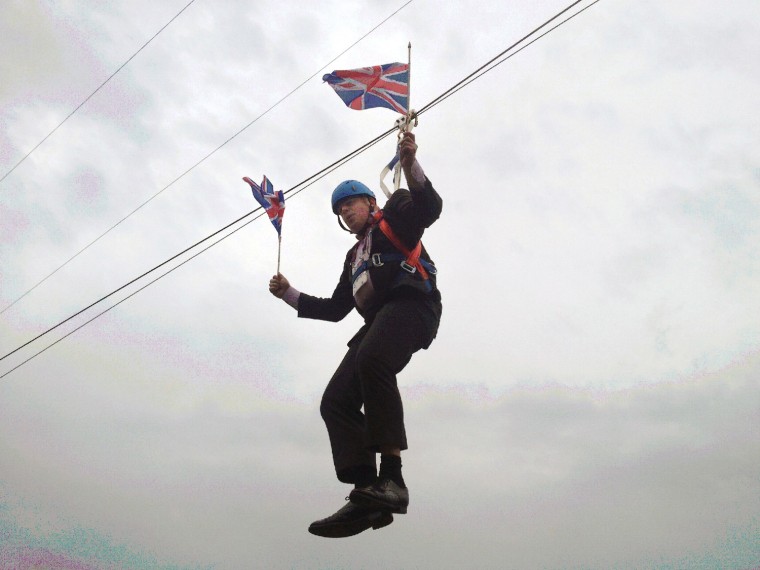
354,211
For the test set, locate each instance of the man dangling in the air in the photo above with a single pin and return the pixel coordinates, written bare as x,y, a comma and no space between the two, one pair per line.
389,278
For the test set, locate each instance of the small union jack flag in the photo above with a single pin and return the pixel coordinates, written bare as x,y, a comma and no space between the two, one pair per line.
378,86
273,202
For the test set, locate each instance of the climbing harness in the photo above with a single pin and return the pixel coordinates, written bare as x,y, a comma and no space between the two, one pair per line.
410,260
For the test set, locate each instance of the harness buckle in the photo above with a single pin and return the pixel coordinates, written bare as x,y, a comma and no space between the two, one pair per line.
377,260
408,268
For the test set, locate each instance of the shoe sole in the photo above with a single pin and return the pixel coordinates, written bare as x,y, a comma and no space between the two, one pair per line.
375,521
366,501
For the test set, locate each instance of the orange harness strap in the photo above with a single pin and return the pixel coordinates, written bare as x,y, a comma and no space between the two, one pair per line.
412,262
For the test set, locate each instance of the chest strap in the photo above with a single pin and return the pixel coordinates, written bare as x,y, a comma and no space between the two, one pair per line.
410,259
412,262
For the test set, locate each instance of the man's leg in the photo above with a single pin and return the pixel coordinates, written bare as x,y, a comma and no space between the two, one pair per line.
397,332
341,411
354,463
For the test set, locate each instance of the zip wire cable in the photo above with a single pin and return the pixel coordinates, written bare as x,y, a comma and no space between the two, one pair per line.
311,180
127,297
94,92
87,322
314,178
463,82
303,184
77,254
326,170
482,71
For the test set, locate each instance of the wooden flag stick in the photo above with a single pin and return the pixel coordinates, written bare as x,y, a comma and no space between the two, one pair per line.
279,247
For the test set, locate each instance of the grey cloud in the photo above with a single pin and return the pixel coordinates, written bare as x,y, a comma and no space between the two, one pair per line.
597,256
637,478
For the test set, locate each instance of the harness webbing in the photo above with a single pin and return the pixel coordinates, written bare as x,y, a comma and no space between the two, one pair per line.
410,259
412,256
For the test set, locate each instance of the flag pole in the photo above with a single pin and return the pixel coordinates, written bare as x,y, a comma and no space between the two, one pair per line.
408,119
279,248
409,87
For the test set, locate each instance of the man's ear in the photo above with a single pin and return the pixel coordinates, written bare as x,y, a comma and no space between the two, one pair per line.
372,203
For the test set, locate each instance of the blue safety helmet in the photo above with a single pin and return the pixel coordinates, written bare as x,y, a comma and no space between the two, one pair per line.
349,189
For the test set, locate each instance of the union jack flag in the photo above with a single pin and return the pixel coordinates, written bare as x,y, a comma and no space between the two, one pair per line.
378,86
272,202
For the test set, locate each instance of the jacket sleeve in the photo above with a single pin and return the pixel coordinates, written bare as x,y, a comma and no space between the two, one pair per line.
409,212
333,308
426,205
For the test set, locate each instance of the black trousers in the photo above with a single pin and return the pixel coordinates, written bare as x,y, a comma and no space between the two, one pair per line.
367,377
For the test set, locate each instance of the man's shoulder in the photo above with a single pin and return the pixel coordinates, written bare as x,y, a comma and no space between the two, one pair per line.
400,194
397,199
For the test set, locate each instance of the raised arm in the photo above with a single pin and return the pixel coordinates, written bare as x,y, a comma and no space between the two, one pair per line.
409,212
415,177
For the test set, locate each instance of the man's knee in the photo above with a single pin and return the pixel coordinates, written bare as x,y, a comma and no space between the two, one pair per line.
370,362
327,407
383,360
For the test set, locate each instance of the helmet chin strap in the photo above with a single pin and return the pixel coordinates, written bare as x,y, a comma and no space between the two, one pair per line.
340,223
373,206
344,228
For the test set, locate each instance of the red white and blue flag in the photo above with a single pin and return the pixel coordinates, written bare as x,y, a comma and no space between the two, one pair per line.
272,202
378,86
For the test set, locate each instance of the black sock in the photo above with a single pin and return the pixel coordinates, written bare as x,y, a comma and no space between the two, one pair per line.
364,475
390,468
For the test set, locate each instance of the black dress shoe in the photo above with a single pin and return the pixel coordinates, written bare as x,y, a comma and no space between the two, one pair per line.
383,494
351,519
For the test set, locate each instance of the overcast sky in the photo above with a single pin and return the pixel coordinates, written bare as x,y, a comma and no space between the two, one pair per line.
593,397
